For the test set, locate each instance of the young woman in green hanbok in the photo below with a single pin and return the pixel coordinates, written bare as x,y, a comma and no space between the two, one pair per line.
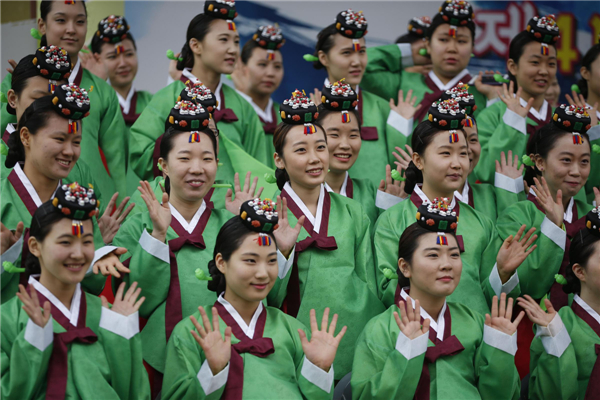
57,340
243,349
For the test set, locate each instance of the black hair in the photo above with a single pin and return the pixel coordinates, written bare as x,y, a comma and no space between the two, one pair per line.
35,117
247,50
580,252
422,137
325,41
197,29
540,143
409,242
439,20
409,38
22,72
45,8
41,224
230,238
97,43
586,62
515,51
324,112
166,145
279,137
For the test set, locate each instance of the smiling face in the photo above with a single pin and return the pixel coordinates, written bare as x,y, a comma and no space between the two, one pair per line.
444,165
122,67
343,62
65,26
35,88
534,71
553,93
434,270
52,151
305,157
220,48
263,76
251,271
449,55
567,165
191,167
343,141
64,258
474,146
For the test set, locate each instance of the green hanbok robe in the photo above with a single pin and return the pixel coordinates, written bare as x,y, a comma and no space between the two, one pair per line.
564,355
283,374
594,178
388,365
19,202
104,364
104,142
333,267
480,280
364,193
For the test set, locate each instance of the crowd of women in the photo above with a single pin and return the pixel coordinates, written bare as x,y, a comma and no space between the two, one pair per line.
406,231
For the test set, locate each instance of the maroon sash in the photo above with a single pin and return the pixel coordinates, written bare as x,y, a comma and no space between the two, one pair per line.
349,188
366,132
6,135
58,367
258,346
557,295
593,390
131,117
532,129
156,156
434,95
222,113
319,240
417,201
173,309
77,79
269,127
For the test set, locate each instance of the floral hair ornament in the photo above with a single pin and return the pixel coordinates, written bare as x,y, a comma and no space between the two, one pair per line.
573,119
73,103
198,93
260,216
419,25
339,96
456,13
352,25
78,203
113,29
448,115
438,217
189,116
300,110
544,30
460,93
270,38
222,9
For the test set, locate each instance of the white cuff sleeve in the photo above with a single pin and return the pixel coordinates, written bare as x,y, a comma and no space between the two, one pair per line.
13,253
406,50
497,285
101,252
515,121
509,184
594,133
492,101
412,348
285,263
554,233
385,200
500,340
124,326
40,338
211,383
315,375
555,336
153,246
399,123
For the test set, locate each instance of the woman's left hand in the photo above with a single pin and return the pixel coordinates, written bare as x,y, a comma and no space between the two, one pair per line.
390,186
579,101
323,344
285,235
242,194
110,264
508,166
109,224
90,62
502,315
489,91
514,251
128,303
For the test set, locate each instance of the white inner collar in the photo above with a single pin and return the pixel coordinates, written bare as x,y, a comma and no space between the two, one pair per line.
189,227
425,199
187,72
248,329
450,84
464,196
10,128
266,114
438,326
75,71
568,215
357,90
587,308
597,112
343,189
73,314
315,221
539,114
126,103
29,186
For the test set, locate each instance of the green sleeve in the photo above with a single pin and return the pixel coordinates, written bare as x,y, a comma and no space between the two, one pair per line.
128,377
112,137
594,179
383,75
5,117
385,245
253,138
363,252
23,366
497,376
505,198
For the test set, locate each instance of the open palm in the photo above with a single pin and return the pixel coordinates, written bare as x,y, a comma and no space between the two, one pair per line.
323,345
216,349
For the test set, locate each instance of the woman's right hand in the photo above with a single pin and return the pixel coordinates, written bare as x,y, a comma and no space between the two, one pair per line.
31,305
513,102
216,349
8,238
535,312
410,323
405,107
160,214
555,211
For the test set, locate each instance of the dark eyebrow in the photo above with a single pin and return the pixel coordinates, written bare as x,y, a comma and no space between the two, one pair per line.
250,254
70,235
184,151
